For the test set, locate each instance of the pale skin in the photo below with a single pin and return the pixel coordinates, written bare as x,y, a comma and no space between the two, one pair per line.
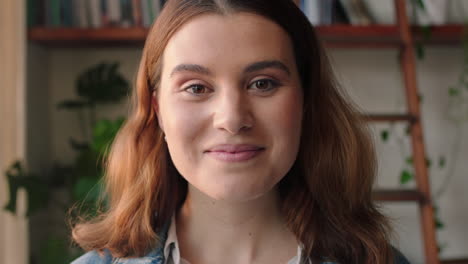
244,89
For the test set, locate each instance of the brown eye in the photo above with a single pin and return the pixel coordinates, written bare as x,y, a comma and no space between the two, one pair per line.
261,84
264,85
196,89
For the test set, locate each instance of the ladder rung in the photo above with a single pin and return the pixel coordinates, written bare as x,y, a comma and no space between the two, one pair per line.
455,261
399,195
392,118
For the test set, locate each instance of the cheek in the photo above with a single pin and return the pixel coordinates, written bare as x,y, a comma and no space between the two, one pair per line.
286,119
284,126
183,124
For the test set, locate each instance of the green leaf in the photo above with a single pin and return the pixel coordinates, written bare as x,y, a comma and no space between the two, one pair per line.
427,32
439,224
420,98
72,104
419,4
13,185
441,247
409,160
88,164
38,195
454,91
37,190
104,133
55,250
384,135
428,162
408,130
442,162
87,189
102,83
405,177
420,53
78,146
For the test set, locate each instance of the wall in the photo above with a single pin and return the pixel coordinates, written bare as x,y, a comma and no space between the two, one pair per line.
13,228
373,80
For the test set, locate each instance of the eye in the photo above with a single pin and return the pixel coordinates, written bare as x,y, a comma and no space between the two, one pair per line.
197,89
264,85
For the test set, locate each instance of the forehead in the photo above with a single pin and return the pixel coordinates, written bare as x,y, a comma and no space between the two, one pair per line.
234,39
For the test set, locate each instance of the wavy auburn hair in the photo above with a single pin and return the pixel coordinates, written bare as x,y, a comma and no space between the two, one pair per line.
326,197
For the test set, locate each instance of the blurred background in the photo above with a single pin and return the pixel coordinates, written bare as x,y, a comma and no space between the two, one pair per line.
67,67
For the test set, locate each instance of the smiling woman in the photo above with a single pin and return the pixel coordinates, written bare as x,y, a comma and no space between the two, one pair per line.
240,149
230,105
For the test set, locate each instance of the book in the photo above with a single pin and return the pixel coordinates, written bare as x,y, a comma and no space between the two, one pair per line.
136,12
53,15
383,12
80,17
104,13
326,12
32,11
357,12
157,6
145,12
339,14
66,13
95,13
311,9
434,13
114,13
126,12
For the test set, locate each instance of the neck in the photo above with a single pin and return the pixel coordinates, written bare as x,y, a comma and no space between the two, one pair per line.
212,231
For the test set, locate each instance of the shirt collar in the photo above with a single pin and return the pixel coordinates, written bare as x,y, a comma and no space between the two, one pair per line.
155,256
171,248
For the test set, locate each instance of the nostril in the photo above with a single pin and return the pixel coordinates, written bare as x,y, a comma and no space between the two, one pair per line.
233,115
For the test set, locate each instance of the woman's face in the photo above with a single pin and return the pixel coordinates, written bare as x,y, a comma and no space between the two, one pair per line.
230,104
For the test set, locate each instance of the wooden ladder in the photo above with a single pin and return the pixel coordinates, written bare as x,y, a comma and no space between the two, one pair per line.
422,194
408,66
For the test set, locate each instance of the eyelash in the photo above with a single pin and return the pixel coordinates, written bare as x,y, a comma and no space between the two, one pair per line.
273,85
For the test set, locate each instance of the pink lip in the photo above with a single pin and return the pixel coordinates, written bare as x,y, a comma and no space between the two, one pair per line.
235,153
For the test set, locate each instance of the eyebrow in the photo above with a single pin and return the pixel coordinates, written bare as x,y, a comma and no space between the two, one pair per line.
256,66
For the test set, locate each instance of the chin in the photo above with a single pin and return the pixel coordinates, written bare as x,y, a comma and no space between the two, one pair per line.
236,194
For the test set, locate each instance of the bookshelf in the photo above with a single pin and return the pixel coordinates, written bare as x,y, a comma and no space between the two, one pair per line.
336,36
132,38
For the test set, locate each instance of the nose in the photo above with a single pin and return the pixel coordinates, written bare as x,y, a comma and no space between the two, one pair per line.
232,112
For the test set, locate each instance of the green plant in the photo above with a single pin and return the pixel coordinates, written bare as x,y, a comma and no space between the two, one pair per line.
80,181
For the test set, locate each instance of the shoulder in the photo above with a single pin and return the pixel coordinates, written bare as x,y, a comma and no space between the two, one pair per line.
398,257
156,256
93,257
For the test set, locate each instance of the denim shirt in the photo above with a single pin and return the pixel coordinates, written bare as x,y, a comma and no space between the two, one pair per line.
156,256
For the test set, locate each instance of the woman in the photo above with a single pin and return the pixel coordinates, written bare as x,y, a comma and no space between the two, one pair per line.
240,149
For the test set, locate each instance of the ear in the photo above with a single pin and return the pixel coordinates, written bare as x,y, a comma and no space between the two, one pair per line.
155,106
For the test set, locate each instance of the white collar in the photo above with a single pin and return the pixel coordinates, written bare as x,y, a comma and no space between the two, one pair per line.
172,245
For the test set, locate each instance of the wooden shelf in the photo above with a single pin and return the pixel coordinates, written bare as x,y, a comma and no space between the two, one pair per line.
346,36
455,261
79,37
335,36
386,36
390,118
399,196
